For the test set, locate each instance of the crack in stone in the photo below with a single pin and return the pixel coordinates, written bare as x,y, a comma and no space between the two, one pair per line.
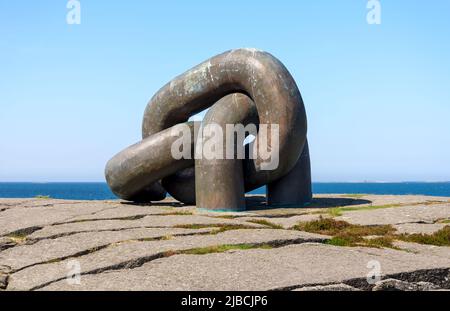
31,241
4,276
93,213
261,216
134,217
439,277
52,204
6,243
76,255
139,262
130,218
316,210
17,204
30,230
293,287
66,234
418,222
43,205
23,231
98,248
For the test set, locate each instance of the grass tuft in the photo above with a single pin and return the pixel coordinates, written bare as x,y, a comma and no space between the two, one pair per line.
18,237
167,237
354,195
170,253
340,241
178,213
216,249
438,238
42,197
266,223
223,248
220,227
326,226
335,212
380,242
346,234
367,207
227,216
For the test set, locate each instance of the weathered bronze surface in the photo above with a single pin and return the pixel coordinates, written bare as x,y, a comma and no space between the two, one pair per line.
243,86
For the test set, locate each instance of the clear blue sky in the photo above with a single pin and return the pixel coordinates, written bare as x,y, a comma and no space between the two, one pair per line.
377,96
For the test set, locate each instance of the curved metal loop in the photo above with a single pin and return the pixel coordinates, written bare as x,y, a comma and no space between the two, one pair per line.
243,86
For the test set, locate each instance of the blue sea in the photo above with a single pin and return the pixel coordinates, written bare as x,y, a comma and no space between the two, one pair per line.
100,191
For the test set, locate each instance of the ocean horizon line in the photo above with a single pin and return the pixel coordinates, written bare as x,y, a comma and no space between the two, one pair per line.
100,190
316,182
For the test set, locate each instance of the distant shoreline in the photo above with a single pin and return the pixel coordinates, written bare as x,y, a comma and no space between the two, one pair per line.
101,191
316,182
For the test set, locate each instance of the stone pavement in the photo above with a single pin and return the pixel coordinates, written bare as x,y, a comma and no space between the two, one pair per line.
48,244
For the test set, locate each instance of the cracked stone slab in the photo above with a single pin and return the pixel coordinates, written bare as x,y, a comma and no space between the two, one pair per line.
48,249
398,215
322,201
22,214
124,250
257,269
394,199
333,287
18,218
419,228
379,216
4,276
6,243
127,210
126,254
286,222
439,251
147,221
398,285
21,203
33,203
3,281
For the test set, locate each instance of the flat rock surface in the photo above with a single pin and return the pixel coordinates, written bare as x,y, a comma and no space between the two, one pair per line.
48,244
285,268
399,215
419,228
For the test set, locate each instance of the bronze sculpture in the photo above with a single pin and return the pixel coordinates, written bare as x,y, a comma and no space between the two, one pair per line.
243,86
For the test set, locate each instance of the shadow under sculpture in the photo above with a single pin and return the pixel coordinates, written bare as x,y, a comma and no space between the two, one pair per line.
241,86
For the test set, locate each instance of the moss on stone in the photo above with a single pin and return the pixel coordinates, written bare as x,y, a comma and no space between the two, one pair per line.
346,234
438,238
266,223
